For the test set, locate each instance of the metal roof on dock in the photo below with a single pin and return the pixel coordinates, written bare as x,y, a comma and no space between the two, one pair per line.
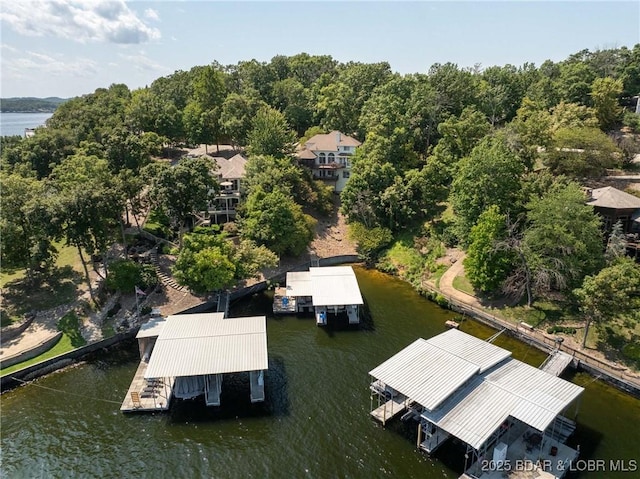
469,387
199,344
428,371
151,328
327,286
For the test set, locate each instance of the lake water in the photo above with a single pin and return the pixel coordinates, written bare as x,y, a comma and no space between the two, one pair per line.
15,123
314,423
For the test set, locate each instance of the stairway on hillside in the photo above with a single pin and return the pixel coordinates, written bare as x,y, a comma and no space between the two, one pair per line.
165,278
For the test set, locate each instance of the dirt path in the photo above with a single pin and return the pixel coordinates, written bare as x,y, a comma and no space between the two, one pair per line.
446,288
446,281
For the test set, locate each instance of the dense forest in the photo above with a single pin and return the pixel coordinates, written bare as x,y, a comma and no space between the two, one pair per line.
493,160
30,105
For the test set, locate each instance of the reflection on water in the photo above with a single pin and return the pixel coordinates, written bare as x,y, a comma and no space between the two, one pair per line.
314,423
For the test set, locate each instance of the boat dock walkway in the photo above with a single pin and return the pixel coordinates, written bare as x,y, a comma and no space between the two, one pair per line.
390,409
556,363
283,304
147,395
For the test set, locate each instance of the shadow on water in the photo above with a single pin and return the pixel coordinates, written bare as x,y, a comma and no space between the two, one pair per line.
234,399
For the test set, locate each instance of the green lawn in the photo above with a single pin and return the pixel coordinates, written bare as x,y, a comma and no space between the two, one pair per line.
61,287
71,339
62,346
461,283
67,256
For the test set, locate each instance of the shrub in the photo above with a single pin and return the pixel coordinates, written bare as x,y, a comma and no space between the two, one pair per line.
441,301
561,329
125,275
370,240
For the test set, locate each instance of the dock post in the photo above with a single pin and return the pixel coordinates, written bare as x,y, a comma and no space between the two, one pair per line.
419,434
384,414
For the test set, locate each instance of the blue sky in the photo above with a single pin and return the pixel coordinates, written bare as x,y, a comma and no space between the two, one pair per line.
70,47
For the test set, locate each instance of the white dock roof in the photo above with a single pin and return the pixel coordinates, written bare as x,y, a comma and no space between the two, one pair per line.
515,390
299,283
199,344
335,286
429,371
151,328
468,387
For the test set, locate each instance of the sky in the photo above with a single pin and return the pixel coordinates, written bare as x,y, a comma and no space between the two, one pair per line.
68,48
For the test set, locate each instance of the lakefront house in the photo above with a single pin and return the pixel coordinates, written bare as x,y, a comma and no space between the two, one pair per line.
230,175
328,156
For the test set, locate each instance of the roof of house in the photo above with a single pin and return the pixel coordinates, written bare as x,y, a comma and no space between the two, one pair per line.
610,197
327,286
329,141
199,344
469,387
233,168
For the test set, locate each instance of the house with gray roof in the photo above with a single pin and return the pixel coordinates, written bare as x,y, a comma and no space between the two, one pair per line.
328,156
614,205
230,174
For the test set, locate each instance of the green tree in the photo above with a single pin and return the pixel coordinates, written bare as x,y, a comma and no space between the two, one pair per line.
605,93
340,103
581,152
27,225
209,261
274,220
460,135
370,241
270,173
490,175
613,292
456,87
182,190
563,241
208,93
616,244
487,266
125,275
270,134
89,206
572,115
292,99
237,116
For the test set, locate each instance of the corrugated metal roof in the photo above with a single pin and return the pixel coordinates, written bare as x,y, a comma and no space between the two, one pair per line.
198,344
151,328
335,286
425,373
474,406
481,353
299,283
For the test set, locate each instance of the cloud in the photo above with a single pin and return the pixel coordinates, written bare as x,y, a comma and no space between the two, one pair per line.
151,14
142,62
35,63
82,20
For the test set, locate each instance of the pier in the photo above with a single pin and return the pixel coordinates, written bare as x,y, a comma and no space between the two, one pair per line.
147,395
390,409
556,363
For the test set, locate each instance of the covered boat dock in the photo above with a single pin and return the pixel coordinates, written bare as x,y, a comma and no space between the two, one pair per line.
324,291
187,355
501,408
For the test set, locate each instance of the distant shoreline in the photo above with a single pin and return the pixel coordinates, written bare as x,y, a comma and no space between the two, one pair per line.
29,111
30,104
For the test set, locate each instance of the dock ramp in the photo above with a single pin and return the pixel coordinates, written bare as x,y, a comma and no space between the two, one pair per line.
556,363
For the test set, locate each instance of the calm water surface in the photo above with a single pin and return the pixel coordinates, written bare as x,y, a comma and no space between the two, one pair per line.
15,123
315,422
